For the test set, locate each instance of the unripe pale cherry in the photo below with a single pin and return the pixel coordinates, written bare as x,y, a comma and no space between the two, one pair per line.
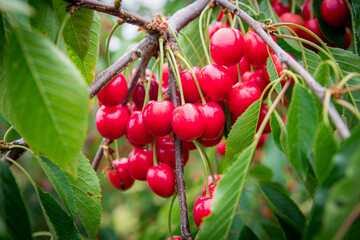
161,180
227,46
215,81
114,93
157,117
202,208
111,121
119,176
139,162
136,132
188,122
191,93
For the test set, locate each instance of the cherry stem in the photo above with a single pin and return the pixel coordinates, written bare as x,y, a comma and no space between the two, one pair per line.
327,99
229,17
237,3
154,151
204,166
208,21
58,38
350,89
22,147
349,106
7,133
208,162
147,92
203,101
116,25
175,37
293,6
169,215
347,78
117,155
256,6
23,170
161,46
193,48
171,58
202,35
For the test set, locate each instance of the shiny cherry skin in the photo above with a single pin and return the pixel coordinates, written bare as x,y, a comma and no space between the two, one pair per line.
119,176
175,238
280,8
165,151
214,28
138,94
111,121
306,9
214,120
215,81
256,52
335,12
157,117
257,77
313,26
139,162
114,93
188,122
221,148
211,142
242,96
191,93
263,111
161,180
293,18
210,180
136,132
227,46
165,75
202,208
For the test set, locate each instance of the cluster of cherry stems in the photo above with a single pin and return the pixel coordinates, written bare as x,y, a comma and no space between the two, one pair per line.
200,120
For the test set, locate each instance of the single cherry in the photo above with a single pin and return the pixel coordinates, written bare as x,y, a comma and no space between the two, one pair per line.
114,93
256,52
242,96
139,162
165,151
335,12
136,132
227,46
161,180
214,28
257,77
211,183
279,7
119,175
293,18
157,117
215,81
221,148
214,120
202,208
191,93
111,121
306,9
313,26
138,94
263,111
188,122
165,75
175,238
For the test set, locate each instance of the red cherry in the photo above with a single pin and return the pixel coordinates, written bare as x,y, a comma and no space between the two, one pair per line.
188,122
165,151
120,177
280,8
210,180
211,142
313,26
191,93
233,70
139,162
161,180
188,145
293,18
165,75
111,121
214,28
306,9
244,66
138,94
335,12
175,238
263,111
227,46
214,75
202,208
257,77
348,38
214,120
256,52
211,190
221,148
114,93
242,96
136,131
157,117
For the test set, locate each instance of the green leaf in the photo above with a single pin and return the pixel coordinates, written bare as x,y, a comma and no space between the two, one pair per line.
44,19
301,128
87,67
334,35
283,206
16,6
78,27
63,224
243,131
60,183
270,66
261,172
312,60
87,194
226,197
277,132
246,233
52,112
13,214
356,24
325,147
288,231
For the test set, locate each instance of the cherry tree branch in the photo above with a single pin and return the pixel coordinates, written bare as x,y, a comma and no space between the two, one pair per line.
117,12
16,152
285,58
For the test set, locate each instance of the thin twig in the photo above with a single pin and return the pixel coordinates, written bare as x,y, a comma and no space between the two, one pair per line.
99,154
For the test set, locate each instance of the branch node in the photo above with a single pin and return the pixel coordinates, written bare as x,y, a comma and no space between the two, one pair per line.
72,8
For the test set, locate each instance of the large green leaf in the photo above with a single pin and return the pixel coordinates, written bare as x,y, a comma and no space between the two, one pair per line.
226,197
87,194
13,215
312,60
62,223
356,24
48,100
246,233
60,183
44,19
243,131
77,29
16,6
301,127
87,66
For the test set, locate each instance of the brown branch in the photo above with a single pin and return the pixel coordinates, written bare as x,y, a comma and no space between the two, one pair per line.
16,152
285,58
117,12
99,154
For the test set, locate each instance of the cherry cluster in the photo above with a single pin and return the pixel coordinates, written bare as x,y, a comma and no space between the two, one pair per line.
335,13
